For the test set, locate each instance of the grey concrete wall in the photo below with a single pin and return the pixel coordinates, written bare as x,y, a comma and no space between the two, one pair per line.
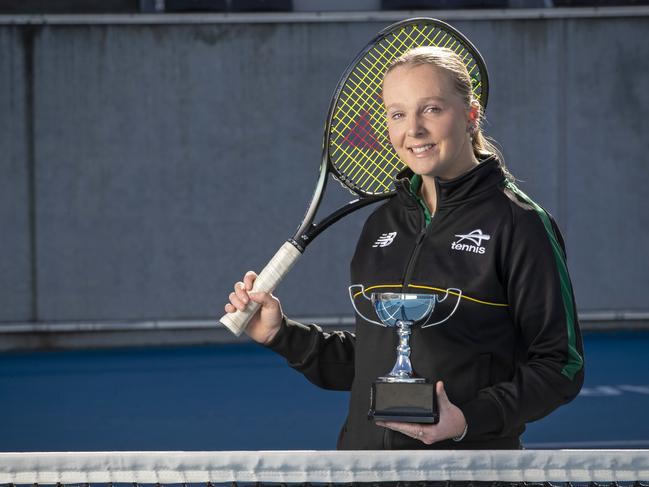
168,159
605,202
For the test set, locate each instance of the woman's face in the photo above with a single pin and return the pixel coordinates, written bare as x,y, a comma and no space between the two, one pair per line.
427,121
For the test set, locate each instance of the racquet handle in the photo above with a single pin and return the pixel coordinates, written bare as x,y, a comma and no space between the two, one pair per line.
266,281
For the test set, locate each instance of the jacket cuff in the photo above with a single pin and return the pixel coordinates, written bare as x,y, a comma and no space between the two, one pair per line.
291,341
483,417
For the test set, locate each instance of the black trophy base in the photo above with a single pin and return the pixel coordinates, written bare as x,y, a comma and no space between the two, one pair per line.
404,401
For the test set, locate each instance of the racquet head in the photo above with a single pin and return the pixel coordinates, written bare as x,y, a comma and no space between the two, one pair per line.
356,144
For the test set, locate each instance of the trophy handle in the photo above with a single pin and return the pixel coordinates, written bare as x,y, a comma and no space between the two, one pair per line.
457,303
351,297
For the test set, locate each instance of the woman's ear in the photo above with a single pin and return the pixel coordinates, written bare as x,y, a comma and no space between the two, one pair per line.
474,116
474,111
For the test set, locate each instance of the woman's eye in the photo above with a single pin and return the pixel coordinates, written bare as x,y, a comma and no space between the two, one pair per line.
396,115
433,109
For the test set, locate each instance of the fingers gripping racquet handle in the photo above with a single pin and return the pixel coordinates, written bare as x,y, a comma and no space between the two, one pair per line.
266,281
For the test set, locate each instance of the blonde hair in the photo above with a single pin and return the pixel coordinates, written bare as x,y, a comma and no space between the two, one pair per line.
449,61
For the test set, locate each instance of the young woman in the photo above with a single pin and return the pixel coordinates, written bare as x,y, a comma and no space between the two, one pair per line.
510,352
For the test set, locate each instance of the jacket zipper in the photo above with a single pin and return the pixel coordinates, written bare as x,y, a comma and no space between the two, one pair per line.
387,439
416,250
413,259
388,433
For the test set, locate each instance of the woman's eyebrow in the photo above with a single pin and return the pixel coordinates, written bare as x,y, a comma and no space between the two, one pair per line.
436,98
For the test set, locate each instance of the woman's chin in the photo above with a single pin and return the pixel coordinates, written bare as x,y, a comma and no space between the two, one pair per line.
424,168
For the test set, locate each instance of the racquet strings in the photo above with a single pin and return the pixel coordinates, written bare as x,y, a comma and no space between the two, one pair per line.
358,143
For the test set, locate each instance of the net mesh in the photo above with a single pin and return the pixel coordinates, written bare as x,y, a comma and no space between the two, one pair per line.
369,468
359,147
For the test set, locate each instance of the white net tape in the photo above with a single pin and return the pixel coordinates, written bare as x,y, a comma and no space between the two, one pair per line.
325,466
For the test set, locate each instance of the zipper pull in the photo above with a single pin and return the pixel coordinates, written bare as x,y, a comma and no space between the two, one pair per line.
421,235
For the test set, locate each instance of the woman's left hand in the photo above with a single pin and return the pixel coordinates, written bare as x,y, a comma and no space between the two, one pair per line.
451,422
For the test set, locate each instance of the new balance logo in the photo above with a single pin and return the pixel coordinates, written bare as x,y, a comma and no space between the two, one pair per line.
475,237
385,239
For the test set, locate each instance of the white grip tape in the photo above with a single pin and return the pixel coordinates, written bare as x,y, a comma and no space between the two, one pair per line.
266,281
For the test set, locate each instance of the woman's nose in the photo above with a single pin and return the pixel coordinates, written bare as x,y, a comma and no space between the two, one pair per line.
415,128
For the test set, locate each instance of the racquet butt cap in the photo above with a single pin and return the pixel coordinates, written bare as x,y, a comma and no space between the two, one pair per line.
232,327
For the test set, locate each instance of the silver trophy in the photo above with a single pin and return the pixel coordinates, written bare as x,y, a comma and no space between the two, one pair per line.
402,395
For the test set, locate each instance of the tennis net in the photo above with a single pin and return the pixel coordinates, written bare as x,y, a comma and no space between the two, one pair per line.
363,468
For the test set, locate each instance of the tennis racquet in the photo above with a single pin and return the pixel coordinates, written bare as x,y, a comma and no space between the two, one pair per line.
356,148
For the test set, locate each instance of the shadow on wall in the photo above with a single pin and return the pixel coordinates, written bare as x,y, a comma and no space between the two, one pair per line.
144,6
161,6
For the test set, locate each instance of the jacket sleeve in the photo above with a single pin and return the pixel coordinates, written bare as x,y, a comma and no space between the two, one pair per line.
542,307
326,359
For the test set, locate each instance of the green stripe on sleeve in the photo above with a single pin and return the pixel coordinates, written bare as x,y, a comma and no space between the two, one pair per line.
575,360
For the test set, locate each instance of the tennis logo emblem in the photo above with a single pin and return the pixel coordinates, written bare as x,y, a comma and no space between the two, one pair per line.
385,239
475,237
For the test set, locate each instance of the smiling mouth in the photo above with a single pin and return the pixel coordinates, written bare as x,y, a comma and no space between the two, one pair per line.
421,149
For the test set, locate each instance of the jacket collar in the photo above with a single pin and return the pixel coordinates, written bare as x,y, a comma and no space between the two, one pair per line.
483,177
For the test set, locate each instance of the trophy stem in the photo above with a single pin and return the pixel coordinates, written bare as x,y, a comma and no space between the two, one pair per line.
402,370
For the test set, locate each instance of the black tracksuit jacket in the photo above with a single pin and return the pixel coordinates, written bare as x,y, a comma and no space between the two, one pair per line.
509,353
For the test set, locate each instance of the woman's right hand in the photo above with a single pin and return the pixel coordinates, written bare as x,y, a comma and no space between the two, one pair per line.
266,322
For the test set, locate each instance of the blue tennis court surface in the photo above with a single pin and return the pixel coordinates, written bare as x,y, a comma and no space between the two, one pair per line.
243,397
